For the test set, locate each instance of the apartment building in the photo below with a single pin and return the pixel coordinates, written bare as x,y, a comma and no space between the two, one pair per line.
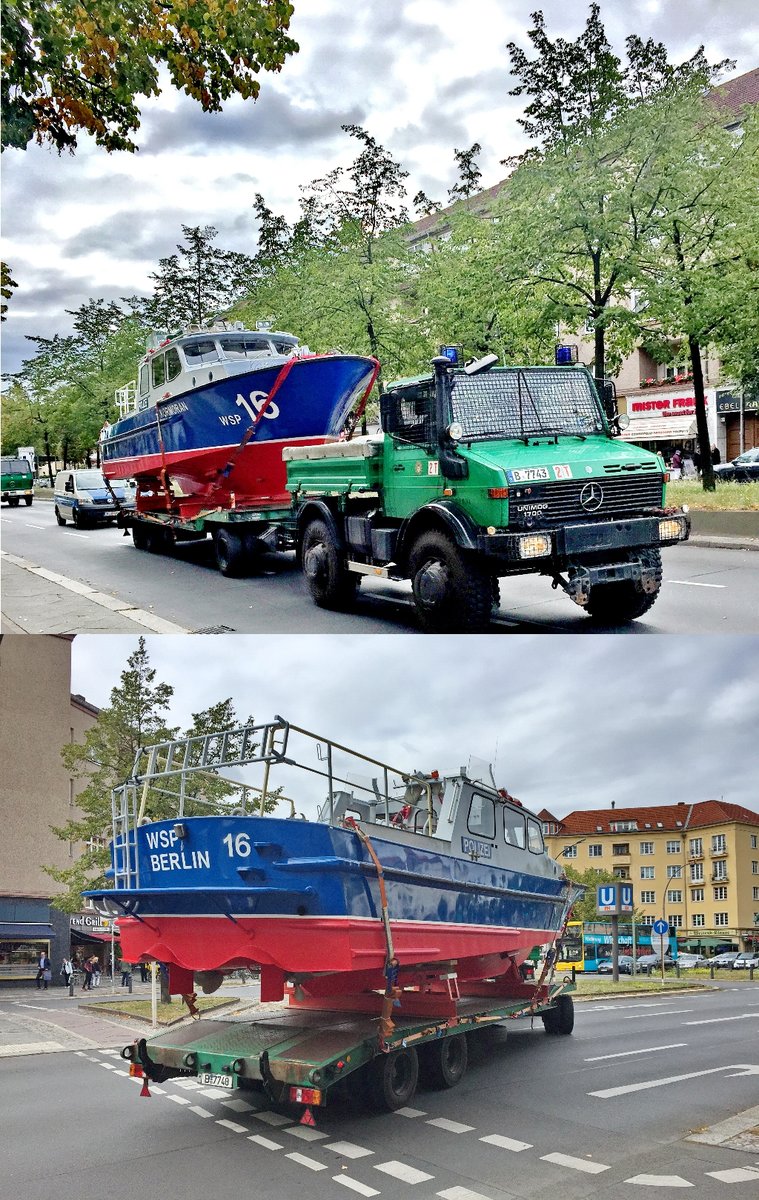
696,864
38,715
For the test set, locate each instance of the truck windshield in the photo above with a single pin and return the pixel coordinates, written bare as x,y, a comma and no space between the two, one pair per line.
16,466
525,402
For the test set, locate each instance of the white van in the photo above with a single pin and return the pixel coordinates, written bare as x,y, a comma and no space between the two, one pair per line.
83,497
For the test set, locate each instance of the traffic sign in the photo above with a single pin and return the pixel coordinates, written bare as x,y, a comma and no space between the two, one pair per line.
660,927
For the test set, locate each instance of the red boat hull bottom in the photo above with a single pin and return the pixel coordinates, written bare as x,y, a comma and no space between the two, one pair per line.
302,945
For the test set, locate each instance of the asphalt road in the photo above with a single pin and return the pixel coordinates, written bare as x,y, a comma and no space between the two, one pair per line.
603,1113
706,590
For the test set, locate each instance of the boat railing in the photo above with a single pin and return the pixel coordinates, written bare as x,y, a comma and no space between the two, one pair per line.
188,776
126,398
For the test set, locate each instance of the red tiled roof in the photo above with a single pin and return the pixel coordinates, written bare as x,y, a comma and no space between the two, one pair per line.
735,94
664,816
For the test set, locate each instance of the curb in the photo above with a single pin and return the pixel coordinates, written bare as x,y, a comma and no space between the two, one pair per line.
722,542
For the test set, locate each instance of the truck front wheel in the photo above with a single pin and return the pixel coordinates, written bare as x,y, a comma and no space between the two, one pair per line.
230,552
393,1079
451,594
330,585
561,1018
614,603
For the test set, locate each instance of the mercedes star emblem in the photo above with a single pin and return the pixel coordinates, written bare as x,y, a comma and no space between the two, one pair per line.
591,497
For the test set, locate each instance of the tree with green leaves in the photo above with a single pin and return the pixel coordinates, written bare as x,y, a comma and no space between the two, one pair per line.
137,716
7,285
197,283
470,174
83,65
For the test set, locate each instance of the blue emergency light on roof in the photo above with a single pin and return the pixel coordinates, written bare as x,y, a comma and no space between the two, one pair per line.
565,356
450,352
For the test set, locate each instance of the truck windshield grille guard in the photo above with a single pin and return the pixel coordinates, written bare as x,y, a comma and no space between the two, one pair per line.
538,505
524,403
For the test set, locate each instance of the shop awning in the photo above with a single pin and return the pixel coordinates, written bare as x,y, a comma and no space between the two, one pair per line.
655,429
82,935
10,931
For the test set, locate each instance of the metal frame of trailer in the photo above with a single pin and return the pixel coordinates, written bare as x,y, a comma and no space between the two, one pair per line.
304,1053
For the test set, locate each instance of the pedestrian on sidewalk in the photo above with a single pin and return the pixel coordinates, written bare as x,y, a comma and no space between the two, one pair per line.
96,971
67,971
126,974
143,972
87,975
43,969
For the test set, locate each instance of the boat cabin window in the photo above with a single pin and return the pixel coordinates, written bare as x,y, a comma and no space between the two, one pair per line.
201,350
144,379
535,837
283,347
173,364
481,819
158,370
513,828
245,346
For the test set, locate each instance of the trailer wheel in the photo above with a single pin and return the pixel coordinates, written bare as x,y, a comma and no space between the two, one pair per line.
614,603
330,585
230,552
561,1018
393,1079
442,1064
28,501
139,536
451,594
59,516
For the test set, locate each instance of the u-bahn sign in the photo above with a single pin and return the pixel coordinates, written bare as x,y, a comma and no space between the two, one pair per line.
614,898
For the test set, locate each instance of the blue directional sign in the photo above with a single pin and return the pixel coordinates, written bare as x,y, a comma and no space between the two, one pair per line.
625,898
660,928
614,898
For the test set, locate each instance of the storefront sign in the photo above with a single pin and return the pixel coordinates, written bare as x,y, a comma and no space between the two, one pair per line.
90,923
729,402
666,406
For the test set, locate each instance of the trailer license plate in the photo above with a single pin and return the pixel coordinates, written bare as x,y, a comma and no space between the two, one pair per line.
225,1081
527,474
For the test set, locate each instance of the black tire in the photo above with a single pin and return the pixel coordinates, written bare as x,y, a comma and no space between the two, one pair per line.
59,516
139,536
230,552
452,594
615,603
157,539
13,501
330,585
76,520
392,1079
28,501
560,1019
443,1063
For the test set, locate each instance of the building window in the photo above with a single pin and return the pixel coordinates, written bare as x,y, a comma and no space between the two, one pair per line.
620,848
674,872
648,872
720,919
696,895
623,873
648,897
698,920
719,843
754,867
719,870
753,841
720,893
623,826
569,852
676,921
673,847
549,829
756,893
595,850
675,897
646,847
697,872
695,847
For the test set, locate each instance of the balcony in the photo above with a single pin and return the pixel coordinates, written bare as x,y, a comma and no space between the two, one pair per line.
718,878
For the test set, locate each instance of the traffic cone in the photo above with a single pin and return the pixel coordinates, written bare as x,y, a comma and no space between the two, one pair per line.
307,1118
145,1090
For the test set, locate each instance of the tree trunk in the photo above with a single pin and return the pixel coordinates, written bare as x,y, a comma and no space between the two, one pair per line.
702,428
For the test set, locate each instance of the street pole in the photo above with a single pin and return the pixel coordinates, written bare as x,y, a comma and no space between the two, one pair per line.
154,994
615,948
113,956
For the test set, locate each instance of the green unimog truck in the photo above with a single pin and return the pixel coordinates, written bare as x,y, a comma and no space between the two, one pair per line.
17,480
481,473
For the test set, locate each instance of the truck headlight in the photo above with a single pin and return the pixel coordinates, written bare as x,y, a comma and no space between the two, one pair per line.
535,545
671,529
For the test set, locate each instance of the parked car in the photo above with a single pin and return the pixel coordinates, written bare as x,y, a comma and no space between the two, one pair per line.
726,959
746,959
643,961
606,966
83,497
686,960
743,469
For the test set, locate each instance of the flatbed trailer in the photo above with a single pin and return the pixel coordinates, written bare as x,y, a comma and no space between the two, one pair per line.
304,1054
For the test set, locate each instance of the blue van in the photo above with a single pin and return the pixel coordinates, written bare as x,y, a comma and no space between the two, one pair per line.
82,496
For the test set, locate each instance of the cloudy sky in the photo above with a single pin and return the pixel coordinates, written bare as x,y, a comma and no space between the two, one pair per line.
423,76
569,722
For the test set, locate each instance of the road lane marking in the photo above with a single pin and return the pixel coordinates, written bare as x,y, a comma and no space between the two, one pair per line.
660,1181
267,1143
506,1143
402,1171
201,1112
237,1105
227,1124
740,1069
736,1174
576,1164
692,583
29,525
348,1150
717,1020
410,1112
305,1133
648,1050
667,1012
179,1099
460,1193
363,1189
450,1126
304,1161
270,1118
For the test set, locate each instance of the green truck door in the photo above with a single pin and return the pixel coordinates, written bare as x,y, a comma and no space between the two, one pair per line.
411,478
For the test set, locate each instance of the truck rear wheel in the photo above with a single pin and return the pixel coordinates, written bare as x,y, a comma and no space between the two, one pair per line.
139,536
28,501
613,603
330,585
13,501
230,552
442,1063
561,1018
451,594
392,1079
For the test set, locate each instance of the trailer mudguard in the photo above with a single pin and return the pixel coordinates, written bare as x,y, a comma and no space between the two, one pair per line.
438,514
